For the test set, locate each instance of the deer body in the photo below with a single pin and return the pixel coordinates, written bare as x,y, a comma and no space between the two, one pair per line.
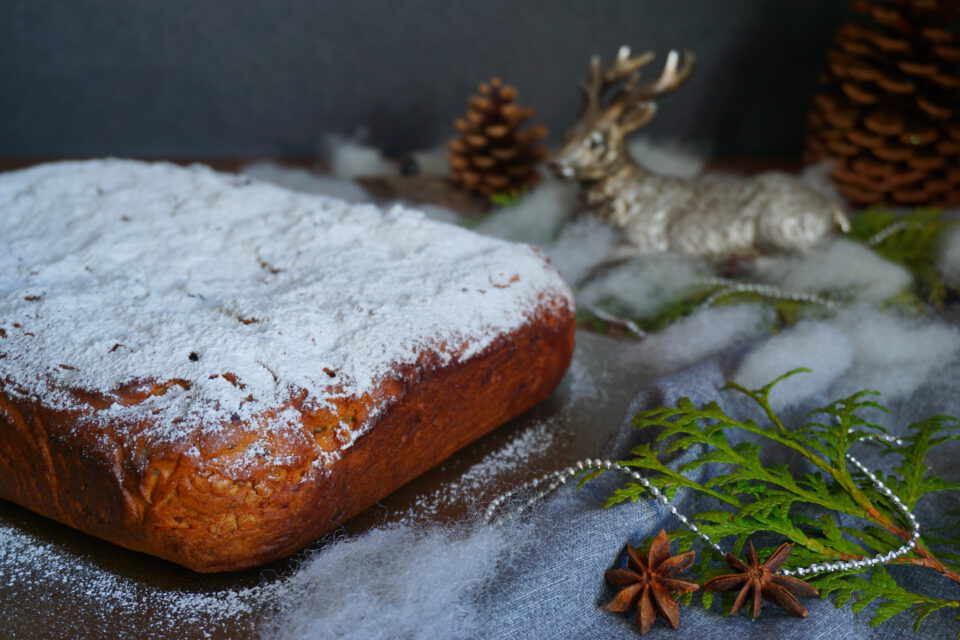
770,213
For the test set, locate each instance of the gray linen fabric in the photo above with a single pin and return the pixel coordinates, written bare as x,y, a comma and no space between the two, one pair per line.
554,587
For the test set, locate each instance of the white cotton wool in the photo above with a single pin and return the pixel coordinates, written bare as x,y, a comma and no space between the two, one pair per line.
433,161
861,348
842,268
537,217
644,285
949,260
667,158
697,338
304,181
393,576
817,176
822,348
894,355
582,246
350,159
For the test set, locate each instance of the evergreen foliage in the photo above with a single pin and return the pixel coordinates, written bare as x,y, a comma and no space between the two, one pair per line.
811,502
915,245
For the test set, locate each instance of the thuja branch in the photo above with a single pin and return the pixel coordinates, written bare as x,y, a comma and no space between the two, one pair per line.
927,560
837,467
756,497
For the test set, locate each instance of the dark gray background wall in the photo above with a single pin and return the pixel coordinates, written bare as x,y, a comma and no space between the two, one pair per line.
206,78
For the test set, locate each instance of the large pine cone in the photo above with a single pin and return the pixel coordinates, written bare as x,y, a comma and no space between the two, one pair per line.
888,112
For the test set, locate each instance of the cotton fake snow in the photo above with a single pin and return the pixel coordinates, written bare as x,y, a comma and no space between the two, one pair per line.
817,177
304,181
697,337
644,285
582,246
894,355
349,159
432,162
384,584
841,267
537,217
667,159
822,348
861,348
949,262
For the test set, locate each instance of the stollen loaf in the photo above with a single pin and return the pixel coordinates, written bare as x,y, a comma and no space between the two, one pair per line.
217,371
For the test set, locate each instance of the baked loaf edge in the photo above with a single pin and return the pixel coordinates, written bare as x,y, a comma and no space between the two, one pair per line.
182,509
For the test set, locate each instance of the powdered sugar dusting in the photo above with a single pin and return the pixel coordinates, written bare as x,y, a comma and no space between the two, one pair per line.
37,571
526,452
237,292
474,485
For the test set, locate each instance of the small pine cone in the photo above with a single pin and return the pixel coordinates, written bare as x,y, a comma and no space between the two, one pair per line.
492,155
888,112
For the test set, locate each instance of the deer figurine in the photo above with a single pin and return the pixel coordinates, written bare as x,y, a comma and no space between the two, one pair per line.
769,213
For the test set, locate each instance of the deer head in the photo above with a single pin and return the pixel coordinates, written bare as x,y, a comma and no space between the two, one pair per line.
594,147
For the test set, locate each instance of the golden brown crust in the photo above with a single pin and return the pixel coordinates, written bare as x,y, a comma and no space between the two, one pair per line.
160,501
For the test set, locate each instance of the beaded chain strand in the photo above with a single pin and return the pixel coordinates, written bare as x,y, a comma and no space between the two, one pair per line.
729,287
555,479
733,287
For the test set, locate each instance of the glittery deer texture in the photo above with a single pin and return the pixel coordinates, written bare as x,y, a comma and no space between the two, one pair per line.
769,213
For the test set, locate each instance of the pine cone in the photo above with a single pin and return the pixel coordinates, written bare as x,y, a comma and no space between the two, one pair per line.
888,112
492,155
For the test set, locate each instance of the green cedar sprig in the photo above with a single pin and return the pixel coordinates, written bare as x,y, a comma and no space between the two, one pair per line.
806,503
916,246
509,198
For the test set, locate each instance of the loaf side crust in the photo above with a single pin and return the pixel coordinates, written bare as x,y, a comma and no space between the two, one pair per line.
169,506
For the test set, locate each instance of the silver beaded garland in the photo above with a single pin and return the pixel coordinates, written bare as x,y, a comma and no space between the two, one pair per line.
733,287
556,479
727,287
627,323
888,231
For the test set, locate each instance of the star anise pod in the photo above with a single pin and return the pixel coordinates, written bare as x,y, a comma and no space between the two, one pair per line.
764,581
648,583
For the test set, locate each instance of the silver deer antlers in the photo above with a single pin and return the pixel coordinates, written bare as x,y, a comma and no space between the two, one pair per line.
772,212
